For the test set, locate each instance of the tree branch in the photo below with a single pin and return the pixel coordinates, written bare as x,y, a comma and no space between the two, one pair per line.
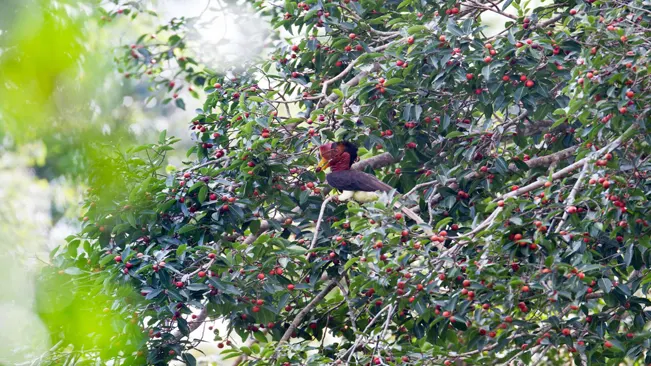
299,318
570,198
193,325
572,167
375,162
318,222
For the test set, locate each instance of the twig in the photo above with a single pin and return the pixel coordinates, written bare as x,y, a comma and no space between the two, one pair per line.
570,198
419,186
299,318
318,222
384,329
352,349
351,312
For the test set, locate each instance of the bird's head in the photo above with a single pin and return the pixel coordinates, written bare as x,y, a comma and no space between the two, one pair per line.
326,152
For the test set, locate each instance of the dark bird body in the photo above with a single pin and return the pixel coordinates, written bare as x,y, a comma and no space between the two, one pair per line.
340,157
354,180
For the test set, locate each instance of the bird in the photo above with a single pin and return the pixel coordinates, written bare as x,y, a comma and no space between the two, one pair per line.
339,157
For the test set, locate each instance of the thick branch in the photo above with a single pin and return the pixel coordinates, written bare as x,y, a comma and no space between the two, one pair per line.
375,162
572,167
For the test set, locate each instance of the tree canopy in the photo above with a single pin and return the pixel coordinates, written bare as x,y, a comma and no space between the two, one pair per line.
524,155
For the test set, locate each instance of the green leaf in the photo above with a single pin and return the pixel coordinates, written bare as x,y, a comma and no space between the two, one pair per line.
73,271
393,81
189,359
181,249
255,98
501,166
486,72
454,134
454,28
162,136
203,193
416,29
186,229
506,4
180,103
605,285
350,263
183,326
443,222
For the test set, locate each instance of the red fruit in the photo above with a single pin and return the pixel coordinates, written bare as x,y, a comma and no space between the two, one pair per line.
572,11
352,36
442,38
466,283
179,284
624,38
486,306
525,288
256,309
488,59
630,94
400,63
529,84
623,110
571,210
566,332
508,319
261,276
607,344
118,258
469,76
446,314
398,216
201,274
410,40
500,203
442,276
506,78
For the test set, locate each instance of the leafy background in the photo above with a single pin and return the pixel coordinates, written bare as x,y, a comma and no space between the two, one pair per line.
69,117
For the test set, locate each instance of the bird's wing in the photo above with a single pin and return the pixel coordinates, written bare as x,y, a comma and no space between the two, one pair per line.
353,180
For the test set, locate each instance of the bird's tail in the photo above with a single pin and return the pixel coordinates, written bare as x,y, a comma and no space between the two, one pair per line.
383,186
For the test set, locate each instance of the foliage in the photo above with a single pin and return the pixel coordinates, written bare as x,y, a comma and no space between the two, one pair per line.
526,155
56,85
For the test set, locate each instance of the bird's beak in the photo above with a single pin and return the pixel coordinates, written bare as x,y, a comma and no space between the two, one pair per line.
321,165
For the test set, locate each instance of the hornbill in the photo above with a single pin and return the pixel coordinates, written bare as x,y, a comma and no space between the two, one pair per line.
339,157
